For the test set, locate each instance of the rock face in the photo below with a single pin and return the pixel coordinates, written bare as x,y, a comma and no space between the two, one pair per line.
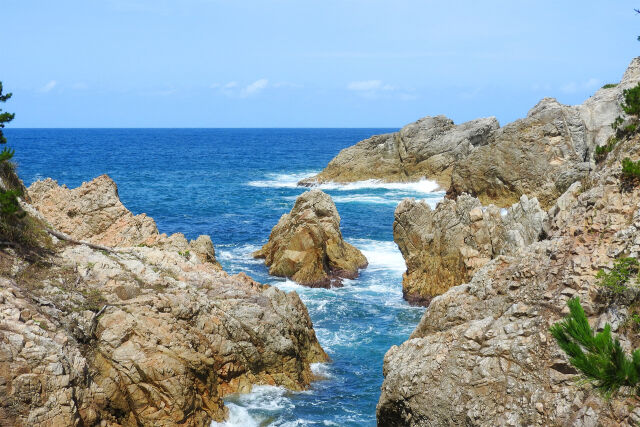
139,335
444,247
94,213
427,148
540,155
485,347
307,246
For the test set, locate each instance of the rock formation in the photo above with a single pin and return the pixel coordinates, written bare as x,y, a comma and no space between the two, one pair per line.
484,347
307,246
136,335
444,247
94,213
540,155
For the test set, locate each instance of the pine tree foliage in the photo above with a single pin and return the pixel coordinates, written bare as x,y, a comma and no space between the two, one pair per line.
599,357
9,205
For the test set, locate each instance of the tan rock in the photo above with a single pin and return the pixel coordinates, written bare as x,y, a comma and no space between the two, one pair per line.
139,335
444,247
485,345
307,245
94,213
540,155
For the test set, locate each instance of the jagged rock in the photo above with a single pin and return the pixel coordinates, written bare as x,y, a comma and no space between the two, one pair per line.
306,244
139,335
540,155
94,213
485,346
444,247
426,148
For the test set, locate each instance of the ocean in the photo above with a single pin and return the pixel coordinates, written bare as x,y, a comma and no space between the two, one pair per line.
234,184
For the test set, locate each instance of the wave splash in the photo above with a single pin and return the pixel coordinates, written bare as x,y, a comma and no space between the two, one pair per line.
290,180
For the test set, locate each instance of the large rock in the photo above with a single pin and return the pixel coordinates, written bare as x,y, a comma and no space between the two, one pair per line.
427,148
307,246
482,354
139,335
540,155
444,247
94,213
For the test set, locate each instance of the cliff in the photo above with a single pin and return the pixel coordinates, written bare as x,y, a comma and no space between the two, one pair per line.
540,155
482,354
149,331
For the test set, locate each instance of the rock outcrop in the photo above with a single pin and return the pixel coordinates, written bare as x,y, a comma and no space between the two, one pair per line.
540,155
94,213
485,347
444,246
307,245
137,335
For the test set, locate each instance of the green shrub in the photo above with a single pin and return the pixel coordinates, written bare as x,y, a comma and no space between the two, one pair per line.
609,85
631,104
617,279
617,122
603,150
630,169
599,357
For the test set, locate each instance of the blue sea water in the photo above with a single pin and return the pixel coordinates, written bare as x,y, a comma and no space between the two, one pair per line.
234,184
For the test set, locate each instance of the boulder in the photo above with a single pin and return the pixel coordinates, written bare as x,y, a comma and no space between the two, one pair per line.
307,245
444,247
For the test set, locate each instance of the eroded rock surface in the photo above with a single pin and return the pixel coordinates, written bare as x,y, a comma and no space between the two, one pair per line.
139,335
482,354
307,245
540,155
444,246
94,213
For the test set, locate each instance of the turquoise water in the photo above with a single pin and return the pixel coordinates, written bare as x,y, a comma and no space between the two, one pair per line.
234,184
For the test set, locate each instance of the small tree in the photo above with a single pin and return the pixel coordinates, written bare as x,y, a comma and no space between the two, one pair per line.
631,104
5,117
599,357
9,205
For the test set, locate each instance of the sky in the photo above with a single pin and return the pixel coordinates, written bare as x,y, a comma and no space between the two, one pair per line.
304,63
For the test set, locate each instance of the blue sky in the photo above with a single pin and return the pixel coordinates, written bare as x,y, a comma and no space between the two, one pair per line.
304,63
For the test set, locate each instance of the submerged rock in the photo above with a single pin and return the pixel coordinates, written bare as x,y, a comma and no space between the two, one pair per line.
444,247
540,155
307,245
137,335
482,354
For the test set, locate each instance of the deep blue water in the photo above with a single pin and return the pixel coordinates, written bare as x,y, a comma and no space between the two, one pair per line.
234,184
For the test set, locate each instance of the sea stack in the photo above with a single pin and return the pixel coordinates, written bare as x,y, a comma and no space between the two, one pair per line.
307,245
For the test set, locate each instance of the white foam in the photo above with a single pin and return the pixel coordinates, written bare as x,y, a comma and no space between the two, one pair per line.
254,409
321,370
282,180
382,255
424,186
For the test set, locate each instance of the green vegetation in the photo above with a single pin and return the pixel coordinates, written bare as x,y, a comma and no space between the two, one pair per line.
631,104
9,206
609,85
599,357
602,151
617,279
186,254
630,170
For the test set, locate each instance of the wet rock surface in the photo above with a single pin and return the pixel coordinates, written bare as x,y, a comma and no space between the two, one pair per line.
307,245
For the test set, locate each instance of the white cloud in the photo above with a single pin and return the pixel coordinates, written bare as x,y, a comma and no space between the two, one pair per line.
369,86
573,87
254,88
49,86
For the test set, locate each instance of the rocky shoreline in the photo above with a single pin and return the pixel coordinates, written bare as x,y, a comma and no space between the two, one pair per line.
149,331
